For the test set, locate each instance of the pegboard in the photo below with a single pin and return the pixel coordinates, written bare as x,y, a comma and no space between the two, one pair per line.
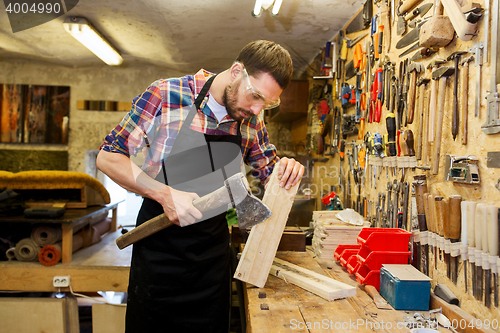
326,175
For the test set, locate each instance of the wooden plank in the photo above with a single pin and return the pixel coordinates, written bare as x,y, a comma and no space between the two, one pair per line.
67,243
32,315
318,284
264,239
108,318
460,319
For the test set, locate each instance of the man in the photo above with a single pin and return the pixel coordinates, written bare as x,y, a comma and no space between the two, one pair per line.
191,130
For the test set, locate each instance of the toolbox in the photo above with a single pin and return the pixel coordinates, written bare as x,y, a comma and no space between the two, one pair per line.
404,287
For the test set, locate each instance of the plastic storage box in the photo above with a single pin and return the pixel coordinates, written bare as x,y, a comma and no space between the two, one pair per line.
405,288
340,249
384,239
375,259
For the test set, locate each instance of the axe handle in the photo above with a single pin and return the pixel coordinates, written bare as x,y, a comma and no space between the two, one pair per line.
407,5
431,120
210,201
465,101
411,96
439,126
420,123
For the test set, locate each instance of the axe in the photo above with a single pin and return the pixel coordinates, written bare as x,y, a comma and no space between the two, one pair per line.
235,193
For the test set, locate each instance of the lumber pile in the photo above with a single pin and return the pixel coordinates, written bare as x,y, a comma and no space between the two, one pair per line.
329,232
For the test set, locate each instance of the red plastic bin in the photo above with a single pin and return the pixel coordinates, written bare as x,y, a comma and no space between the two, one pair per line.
346,255
366,276
384,239
374,259
340,248
353,264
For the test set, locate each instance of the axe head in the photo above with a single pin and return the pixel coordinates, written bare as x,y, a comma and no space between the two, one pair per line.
249,209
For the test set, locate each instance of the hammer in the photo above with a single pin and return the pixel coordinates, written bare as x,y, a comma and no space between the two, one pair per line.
433,100
440,74
413,69
235,192
422,125
454,118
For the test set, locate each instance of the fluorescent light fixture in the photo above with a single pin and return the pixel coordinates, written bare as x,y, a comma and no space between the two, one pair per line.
276,7
265,4
256,9
81,30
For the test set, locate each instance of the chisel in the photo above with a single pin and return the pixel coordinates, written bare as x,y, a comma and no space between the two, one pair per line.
429,230
440,207
471,237
492,231
464,245
454,233
479,221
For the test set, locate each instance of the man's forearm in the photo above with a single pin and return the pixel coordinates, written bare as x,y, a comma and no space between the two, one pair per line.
127,174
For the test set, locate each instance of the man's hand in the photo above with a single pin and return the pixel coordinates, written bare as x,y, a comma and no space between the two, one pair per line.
178,205
290,172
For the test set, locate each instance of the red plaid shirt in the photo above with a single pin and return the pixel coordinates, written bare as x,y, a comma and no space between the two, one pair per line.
157,116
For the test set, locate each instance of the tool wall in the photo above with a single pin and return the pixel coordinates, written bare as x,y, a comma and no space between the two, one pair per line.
414,139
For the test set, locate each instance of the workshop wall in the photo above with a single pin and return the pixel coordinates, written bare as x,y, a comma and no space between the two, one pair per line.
478,144
87,129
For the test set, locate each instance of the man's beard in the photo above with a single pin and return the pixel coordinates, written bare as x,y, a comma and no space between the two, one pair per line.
230,101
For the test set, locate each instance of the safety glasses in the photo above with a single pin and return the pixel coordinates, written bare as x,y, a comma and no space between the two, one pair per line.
255,97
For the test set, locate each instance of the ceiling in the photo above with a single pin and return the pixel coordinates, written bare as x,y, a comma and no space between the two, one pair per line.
183,36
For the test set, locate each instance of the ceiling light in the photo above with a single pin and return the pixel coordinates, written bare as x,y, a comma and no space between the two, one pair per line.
81,29
266,4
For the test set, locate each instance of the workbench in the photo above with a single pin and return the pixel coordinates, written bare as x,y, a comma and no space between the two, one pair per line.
293,309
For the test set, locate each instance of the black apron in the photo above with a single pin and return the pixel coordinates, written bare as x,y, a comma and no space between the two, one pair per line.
180,276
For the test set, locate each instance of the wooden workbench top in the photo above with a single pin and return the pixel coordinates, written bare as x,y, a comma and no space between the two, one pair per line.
293,309
101,266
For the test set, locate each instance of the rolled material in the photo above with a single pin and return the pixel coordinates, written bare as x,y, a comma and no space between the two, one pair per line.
51,254
11,253
27,250
46,235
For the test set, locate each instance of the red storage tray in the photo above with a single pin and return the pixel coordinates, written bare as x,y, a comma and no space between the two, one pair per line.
346,255
366,276
374,259
352,264
384,239
340,248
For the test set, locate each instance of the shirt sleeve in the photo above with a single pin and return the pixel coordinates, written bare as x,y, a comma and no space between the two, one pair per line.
129,137
262,156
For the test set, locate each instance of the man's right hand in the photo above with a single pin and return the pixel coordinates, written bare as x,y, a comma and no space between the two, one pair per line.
178,205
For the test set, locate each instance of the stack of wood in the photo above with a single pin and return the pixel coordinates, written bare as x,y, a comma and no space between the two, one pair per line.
329,232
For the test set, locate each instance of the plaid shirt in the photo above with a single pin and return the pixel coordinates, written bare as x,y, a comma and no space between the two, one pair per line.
157,116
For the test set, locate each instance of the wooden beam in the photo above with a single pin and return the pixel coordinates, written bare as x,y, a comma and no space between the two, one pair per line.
313,282
264,239
466,322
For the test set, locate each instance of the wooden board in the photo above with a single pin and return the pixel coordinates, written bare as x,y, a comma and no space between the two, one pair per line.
32,315
262,244
318,284
108,318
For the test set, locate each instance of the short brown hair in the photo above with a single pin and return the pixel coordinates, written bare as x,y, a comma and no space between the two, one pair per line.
262,56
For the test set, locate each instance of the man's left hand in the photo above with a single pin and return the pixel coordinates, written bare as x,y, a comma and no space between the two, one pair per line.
290,172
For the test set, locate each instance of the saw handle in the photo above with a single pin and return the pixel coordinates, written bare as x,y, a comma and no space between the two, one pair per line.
161,221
